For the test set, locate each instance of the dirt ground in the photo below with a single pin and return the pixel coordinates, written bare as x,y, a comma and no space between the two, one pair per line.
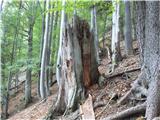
117,85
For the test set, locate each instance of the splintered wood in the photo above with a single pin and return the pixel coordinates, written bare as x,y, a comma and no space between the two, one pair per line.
86,109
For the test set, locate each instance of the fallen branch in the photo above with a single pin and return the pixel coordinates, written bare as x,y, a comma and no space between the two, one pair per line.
120,73
128,112
17,85
104,107
124,99
99,104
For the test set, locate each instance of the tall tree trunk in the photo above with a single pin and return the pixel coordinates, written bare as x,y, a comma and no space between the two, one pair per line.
115,47
54,48
133,17
128,29
152,58
41,48
48,72
28,80
140,26
94,30
44,55
4,96
29,69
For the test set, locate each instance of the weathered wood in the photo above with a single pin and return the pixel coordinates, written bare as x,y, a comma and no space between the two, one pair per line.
121,73
76,71
128,112
86,109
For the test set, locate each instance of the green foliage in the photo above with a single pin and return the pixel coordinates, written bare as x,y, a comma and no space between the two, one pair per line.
15,26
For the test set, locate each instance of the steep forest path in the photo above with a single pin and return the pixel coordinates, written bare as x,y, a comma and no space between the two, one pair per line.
117,84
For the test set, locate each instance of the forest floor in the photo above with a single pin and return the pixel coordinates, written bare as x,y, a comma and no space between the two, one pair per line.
116,85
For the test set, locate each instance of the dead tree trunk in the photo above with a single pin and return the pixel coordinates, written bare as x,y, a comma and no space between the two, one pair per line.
76,68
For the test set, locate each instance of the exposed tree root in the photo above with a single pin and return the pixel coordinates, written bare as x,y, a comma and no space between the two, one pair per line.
104,107
120,73
139,87
99,104
125,98
128,112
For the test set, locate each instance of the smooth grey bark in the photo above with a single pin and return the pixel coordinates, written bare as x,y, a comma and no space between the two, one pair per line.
128,29
104,33
41,48
152,58
115,46
133,17
29,70
44,56
59,61
28,80
53,49
95,33
48,72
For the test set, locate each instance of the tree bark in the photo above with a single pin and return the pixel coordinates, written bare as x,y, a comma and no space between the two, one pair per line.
28,81
51,27
41,48
152,58
140,26
43,84
115,47
128,29
94,30
74,69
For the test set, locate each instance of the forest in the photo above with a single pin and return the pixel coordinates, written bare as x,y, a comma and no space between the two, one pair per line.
79,60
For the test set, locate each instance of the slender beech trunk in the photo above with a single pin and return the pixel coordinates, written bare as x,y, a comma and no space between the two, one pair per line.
44,55
53,48
41,49
94,30
133,17
48,80
128,29
115,47
29,70
28,80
